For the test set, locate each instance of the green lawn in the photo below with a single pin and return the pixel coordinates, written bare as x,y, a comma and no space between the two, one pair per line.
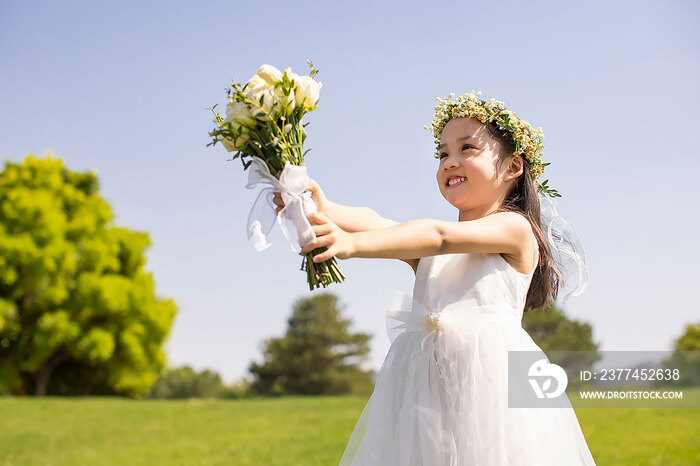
277,431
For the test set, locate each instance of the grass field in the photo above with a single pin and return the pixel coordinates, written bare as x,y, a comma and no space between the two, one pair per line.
277,431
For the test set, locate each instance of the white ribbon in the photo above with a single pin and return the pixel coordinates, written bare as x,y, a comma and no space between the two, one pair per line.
297,204
407,314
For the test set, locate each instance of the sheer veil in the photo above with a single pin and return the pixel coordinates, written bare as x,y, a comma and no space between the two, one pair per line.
567,250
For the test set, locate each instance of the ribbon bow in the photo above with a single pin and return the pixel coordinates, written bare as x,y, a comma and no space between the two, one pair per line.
297,204
412,314
408,314
415,316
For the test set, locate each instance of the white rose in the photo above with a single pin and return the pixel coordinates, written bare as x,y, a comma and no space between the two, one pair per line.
270,74
286,101
240,114
269,102
240,142
306,92
254,83
227,144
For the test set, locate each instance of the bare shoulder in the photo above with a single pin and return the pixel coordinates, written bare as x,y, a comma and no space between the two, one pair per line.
518,221
413,263
522,260
513,221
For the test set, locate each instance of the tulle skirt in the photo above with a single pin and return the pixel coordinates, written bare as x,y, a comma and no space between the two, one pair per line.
441,398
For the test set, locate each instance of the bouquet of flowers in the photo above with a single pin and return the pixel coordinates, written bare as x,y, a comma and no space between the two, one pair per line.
263,122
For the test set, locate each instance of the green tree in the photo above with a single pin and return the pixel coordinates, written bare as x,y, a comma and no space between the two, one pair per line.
685,358
185,382
317,355
552,330
78,313
568,343
240,388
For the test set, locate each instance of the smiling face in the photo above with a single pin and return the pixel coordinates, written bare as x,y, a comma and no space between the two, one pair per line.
468,151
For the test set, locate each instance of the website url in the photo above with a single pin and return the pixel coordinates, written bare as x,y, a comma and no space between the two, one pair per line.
630,395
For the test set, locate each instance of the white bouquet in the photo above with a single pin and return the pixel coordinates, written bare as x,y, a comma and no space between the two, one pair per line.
263,122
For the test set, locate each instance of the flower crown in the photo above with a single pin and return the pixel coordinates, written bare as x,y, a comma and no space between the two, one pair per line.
528,141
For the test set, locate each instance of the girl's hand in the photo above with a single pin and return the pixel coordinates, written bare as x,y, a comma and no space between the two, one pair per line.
339,243
317,196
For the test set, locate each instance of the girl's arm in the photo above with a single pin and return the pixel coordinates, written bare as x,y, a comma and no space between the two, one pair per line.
351,219
355,219
360,219
502,232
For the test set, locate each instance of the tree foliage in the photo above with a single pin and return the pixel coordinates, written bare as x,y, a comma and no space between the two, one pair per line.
317,354
552,330
568,343
685,358
78,312
185,382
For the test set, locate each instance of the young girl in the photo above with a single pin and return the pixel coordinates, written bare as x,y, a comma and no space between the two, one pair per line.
441,396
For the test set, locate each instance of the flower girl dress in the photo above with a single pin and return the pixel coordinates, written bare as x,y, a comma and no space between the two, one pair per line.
441,395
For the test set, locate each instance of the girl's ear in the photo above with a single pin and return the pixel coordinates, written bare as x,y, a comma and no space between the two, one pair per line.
516,166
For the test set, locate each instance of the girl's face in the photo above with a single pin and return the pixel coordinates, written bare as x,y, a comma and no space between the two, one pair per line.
468,150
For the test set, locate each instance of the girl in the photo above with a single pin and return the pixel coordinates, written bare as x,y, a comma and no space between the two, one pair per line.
442,394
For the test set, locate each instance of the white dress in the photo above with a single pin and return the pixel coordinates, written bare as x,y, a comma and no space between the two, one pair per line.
441,395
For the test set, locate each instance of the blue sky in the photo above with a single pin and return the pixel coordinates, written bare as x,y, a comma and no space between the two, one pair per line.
123,88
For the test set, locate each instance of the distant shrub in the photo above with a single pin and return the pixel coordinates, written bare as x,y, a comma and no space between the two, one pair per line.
239,389
185,382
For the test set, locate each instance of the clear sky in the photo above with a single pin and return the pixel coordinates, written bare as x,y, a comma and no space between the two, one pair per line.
123,88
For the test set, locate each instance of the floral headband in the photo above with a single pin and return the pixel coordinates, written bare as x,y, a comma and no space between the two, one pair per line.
528,141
